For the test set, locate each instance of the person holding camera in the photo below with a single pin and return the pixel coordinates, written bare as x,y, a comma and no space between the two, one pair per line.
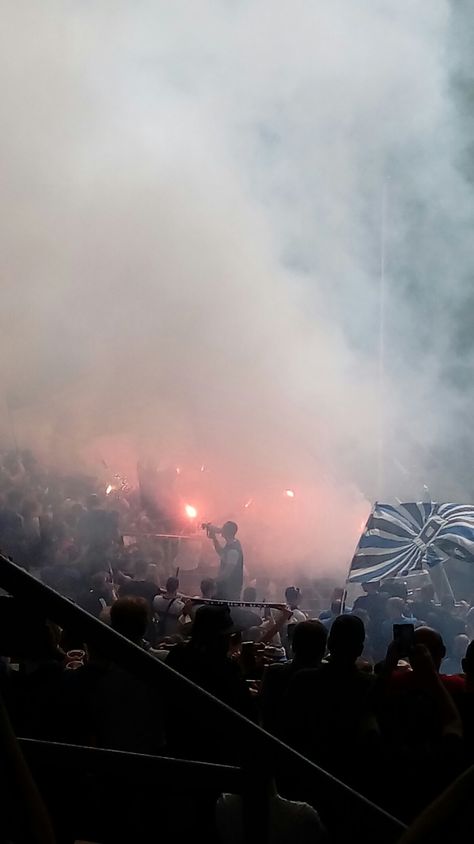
231,569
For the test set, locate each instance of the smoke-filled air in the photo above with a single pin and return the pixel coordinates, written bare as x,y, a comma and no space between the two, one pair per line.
236,237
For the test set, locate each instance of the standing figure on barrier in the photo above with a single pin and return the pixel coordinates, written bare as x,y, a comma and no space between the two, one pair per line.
231,569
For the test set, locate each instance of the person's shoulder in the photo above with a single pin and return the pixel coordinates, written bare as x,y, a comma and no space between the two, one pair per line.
151,589
308,678
453,682
158,601
361,601
299,615
276,671
401,680
172,607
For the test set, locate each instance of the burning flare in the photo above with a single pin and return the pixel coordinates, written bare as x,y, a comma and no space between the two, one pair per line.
109,489
190,511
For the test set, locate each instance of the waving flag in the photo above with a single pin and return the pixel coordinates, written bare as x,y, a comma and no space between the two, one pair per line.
410,537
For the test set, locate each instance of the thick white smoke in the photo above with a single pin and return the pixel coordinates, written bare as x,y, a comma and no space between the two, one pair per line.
191,225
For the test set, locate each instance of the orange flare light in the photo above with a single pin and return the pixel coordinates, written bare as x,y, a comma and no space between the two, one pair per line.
109,489
289,493
190,511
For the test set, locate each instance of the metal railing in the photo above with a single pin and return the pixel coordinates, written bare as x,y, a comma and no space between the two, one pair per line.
141,767
331,792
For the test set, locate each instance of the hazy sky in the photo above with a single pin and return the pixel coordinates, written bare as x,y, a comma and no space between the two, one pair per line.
191,226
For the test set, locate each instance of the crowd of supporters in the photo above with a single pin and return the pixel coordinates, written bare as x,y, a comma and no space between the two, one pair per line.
393,718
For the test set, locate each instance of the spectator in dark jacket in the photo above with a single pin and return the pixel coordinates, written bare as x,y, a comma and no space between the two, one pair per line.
205,661
329,709
309,647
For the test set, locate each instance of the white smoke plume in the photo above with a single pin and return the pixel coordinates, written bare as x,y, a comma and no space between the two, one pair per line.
194,200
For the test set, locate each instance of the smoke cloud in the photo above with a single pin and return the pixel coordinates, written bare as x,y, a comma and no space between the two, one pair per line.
195,202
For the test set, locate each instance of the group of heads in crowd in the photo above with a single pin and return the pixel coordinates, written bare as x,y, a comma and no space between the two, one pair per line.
61,526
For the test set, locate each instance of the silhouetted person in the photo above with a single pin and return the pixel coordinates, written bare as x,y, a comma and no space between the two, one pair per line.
453,664
373,602
249,594
419,722
129,616
231,568
205,661
329,709
208,588
309,647
117,708
168,608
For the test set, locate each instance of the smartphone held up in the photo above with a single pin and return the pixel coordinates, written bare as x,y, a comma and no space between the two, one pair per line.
404,638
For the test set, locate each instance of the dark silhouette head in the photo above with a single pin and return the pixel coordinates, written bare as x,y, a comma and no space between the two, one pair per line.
212,629
208,587
346,639
229,530
99,580
172,585
92,501
433,642
460,645
309,642
250,594
293,596
130,616
394,608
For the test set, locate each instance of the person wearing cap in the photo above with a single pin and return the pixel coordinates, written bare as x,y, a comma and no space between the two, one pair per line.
205,661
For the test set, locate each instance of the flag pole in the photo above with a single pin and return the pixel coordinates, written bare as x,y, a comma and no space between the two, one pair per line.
381,348
344,594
